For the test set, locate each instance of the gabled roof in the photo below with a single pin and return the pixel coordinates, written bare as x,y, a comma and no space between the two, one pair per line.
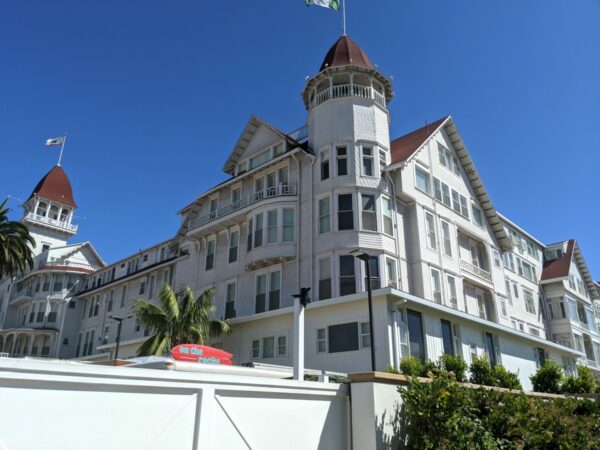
249,130
560,267
345,52
405,147
74,248
55,186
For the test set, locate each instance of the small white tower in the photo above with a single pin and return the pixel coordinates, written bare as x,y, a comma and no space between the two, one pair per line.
48,212
347,100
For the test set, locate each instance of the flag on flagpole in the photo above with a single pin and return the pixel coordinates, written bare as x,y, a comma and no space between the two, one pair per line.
331,4
55,141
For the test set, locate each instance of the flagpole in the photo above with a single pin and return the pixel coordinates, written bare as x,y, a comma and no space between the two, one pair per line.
344,17
61,148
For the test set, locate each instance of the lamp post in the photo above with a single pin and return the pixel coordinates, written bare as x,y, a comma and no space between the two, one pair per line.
120,320
358,253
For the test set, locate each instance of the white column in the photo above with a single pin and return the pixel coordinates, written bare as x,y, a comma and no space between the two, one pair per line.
298,340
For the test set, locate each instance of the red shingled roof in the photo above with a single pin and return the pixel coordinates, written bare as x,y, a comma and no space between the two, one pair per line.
345,52
559,267
55,186
403,147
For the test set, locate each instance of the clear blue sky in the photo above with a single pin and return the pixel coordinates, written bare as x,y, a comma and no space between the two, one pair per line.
155,94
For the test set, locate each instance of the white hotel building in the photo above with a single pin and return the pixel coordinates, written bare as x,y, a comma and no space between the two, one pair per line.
449,273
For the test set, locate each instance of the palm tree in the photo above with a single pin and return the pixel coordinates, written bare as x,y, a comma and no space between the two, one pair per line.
16,245
184,321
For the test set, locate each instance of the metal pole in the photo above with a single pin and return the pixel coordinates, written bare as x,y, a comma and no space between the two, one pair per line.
119,340
370,299
344,17
61,148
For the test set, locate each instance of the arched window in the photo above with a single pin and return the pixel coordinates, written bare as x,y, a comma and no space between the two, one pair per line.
42,208
53,212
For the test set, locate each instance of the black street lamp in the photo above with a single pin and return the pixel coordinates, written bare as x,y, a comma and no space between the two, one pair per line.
120,320
358,253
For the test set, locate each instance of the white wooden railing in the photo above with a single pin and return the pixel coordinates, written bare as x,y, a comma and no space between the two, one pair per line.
68,263
49,221
270,192
481,273
348,90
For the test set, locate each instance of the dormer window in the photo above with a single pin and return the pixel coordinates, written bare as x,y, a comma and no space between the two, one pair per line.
260,159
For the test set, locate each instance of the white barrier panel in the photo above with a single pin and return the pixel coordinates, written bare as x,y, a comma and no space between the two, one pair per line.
60,405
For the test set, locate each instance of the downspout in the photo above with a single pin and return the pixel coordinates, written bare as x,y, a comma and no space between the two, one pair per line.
395,222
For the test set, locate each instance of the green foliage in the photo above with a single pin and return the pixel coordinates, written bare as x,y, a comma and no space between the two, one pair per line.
481,372
444,415
390,369
455,365
506,379
411,366
548,378
583,383
187,320
16,244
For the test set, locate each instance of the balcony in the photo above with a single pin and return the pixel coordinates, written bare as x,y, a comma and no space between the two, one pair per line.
348,90
477,271
282,190
64,226
68,263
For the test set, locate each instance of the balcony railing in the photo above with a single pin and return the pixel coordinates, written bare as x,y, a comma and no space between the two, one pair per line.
299,134
478,271
53,222
270,192
68,263
348,90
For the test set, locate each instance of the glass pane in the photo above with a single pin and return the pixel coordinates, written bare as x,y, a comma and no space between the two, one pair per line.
415,332
343,338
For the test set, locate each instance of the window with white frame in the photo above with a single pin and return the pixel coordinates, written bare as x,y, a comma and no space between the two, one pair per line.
442,192
324,215
430,230
283,175
123,296
392,277
459,204
249,235
151,287
422,180
260,159
477,215
324,164
447,159
324,278
288,225
142,289
281,346
382,161
321,340
452,297
446,238
271,226
503,309
230,300
258,230
386,210
367,161
345,212
234,242
368,213
374,268
268,347
365,335
210,254
236,195
508,291
341,160
268,291
529,302
436,286
347,277
256,349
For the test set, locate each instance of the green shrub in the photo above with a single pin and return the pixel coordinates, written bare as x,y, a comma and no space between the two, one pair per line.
455,365
505,378
411,366
431,369
481,372
446,416
548,378
390,369
583,383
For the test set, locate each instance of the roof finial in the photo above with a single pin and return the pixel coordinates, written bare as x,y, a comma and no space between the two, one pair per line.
344,18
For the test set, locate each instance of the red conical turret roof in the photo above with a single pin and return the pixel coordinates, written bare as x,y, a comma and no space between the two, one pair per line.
55,186
345,52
